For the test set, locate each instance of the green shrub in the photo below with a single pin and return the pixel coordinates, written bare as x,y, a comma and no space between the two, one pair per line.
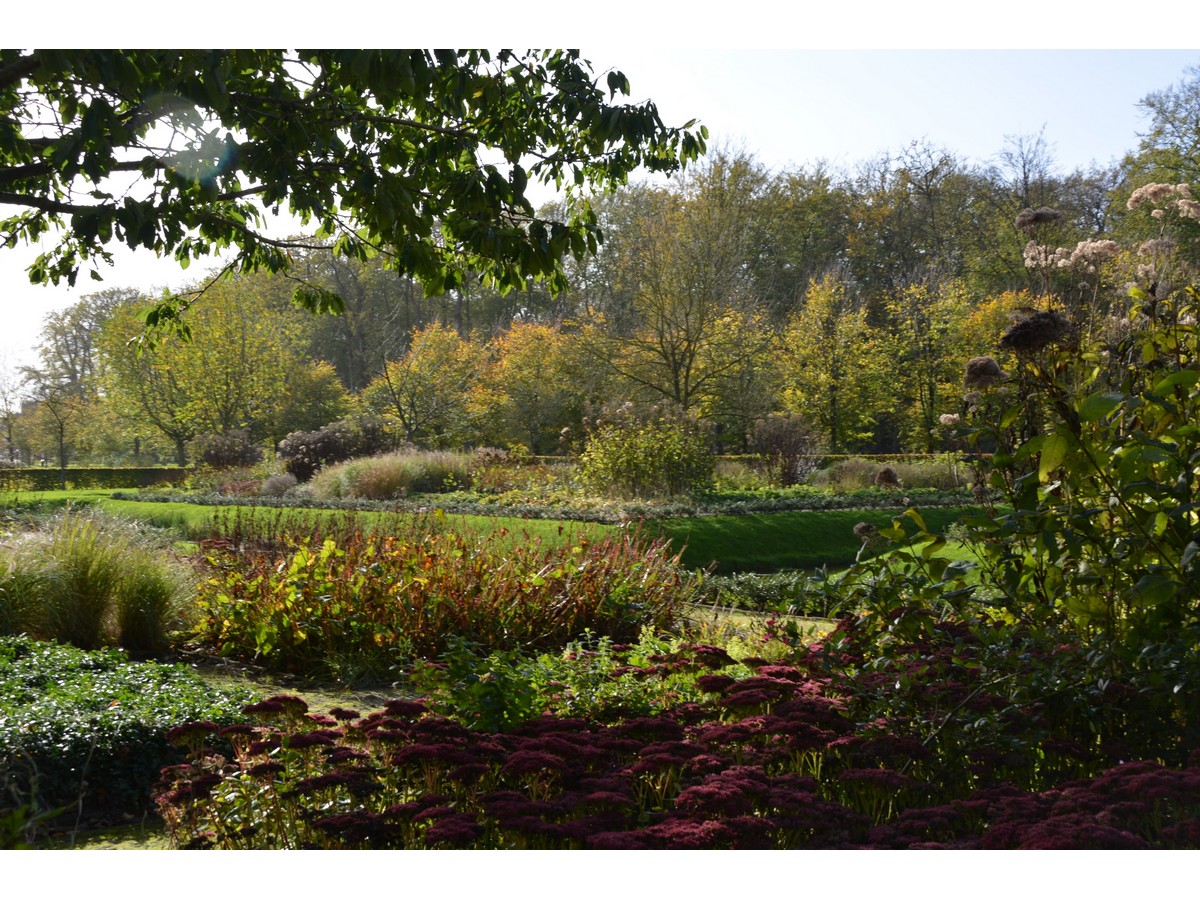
631,457
1082,609
90,726
792,593
741,475
589,678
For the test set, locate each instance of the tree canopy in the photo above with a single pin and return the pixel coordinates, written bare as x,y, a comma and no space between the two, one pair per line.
424,156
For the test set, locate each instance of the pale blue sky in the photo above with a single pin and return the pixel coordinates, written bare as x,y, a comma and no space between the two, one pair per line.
797,106
793,107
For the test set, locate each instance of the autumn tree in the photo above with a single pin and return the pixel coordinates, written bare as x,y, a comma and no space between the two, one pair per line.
232,373
691,294
536,383
832,364
428,388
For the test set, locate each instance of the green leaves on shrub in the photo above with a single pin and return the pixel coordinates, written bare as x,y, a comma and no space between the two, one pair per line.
78,724
662,457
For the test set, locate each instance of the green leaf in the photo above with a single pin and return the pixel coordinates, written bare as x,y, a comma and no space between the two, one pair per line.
1151,590
933,547
319,300
1010,416
1189,553
1098,406
1054,450
1160,524
1182,378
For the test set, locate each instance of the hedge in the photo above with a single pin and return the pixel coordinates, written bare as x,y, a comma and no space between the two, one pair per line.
31,478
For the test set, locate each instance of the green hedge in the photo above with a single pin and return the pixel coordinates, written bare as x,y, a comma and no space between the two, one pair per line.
34,478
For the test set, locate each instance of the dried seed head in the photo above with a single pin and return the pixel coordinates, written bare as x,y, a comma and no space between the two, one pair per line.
1029,219
887,477
1035,331
982,372
865,531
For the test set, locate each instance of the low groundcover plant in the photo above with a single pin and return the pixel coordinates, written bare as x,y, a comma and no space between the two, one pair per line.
755,755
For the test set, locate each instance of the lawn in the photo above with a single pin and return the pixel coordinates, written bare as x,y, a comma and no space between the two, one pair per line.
778,541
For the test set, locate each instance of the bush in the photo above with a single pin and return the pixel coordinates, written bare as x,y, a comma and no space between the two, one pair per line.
231,450
741,475
791,593
945,472
90,726
631,457
91,580
787,443
277,485
306,452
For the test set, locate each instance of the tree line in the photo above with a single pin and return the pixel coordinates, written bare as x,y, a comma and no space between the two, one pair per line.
847,300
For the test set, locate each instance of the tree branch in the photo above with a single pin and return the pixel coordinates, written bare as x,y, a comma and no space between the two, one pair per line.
45,204
14,73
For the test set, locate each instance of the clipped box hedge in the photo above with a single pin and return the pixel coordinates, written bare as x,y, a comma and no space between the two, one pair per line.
36,478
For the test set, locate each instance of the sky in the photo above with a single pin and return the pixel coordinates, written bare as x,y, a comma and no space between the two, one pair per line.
790,108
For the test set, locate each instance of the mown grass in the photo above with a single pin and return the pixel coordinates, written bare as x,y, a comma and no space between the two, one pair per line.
773,542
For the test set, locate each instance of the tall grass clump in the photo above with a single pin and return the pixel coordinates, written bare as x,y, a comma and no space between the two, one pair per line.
945,472
18,588
394,475
90,580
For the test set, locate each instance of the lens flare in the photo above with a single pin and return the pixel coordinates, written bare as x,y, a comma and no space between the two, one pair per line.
185,141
